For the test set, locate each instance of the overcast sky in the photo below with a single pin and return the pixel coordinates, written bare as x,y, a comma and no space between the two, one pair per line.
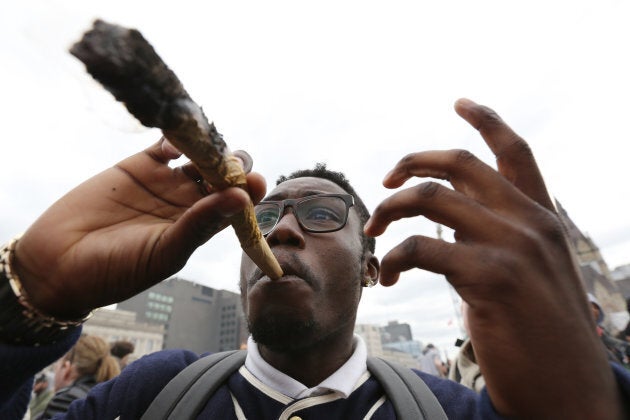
357,85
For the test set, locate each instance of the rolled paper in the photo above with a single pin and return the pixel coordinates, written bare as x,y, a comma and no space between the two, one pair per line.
124,62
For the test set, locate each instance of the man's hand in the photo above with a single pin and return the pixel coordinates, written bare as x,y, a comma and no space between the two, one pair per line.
529,322
122,231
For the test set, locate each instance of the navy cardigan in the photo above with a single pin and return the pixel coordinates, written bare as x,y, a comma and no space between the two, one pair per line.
128,395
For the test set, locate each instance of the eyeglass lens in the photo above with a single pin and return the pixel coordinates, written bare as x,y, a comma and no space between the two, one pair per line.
316,214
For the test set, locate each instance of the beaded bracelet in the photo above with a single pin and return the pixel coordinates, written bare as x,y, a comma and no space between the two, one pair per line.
20,322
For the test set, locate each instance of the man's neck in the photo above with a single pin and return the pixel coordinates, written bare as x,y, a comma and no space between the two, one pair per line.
312,364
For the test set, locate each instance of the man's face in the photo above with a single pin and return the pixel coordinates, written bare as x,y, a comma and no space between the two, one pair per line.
321,287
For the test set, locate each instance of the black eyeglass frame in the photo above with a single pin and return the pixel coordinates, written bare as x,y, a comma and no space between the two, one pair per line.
348,200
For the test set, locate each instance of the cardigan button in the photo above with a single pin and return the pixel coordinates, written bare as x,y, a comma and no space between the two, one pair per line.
295,418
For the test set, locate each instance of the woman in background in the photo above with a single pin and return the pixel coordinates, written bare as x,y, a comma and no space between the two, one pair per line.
86,364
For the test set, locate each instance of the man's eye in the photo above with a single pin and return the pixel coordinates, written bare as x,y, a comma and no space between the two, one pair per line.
266,216
322,214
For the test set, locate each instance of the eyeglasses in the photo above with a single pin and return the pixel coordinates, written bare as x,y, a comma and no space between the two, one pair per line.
316,213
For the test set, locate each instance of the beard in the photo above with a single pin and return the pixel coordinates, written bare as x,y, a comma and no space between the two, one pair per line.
283,334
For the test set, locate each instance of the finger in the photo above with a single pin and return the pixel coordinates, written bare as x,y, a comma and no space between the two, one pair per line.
421,252
440,204
201,222
162,151
169,150
256,186
515,159
190,169
466,173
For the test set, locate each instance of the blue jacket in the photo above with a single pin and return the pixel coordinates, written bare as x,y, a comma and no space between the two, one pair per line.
130,394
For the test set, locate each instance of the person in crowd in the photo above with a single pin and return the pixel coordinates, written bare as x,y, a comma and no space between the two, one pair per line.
122,351
88,363
615,348
465,368
42,393
431,361
137,223
624,335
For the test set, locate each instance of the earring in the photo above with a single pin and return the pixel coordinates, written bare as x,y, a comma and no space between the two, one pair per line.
368,282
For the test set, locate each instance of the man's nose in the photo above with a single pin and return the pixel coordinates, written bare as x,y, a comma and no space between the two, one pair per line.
287,232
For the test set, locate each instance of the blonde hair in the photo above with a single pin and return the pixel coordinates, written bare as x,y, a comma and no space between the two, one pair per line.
90,356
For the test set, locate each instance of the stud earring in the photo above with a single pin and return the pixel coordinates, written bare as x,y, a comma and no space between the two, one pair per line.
368,282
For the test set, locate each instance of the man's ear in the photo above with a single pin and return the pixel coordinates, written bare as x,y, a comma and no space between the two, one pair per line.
371,270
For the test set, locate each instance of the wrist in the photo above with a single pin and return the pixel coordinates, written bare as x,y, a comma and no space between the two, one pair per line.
20,321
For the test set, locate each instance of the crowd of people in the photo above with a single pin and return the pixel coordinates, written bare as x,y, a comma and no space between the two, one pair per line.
465,369
89,362
137,223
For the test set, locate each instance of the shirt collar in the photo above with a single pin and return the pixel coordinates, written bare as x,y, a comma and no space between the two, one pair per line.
341,381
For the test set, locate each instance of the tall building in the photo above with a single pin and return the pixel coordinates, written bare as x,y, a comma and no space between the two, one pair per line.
195,317
395,332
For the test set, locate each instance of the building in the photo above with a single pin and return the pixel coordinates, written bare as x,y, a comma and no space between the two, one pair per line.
412,347
596,275
194,317
402,358
621,276
395,332
372,334
114,324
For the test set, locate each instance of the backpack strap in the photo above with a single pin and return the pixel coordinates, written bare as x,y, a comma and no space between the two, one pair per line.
410,396
206,375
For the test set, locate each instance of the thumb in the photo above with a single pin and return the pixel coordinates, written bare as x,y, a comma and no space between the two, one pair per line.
201,222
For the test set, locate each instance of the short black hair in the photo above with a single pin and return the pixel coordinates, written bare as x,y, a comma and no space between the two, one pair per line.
121,348
320,171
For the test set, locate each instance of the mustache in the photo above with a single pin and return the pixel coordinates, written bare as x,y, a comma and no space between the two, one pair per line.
291,265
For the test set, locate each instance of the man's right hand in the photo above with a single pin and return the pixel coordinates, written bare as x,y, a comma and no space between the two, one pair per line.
121,232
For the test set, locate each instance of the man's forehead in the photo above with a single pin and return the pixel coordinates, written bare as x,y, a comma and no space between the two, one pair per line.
302,187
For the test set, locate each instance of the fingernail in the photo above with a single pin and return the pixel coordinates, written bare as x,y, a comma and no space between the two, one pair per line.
465,102
246,160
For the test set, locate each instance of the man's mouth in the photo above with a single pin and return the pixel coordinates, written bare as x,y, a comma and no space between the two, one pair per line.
291,267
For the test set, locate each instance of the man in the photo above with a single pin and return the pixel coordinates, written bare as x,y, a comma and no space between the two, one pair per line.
431,361
465,369
615,348
122,350
137,223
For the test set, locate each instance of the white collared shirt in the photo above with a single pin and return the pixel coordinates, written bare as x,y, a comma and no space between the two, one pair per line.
342,381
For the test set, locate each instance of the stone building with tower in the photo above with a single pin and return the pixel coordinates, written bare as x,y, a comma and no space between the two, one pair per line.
596,275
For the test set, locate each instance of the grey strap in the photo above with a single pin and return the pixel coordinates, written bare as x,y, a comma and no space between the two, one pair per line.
206,375
410,396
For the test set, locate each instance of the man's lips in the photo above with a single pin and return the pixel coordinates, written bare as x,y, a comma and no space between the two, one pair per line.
290,268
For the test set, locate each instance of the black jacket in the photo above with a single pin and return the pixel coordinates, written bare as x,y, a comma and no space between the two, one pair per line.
62,399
